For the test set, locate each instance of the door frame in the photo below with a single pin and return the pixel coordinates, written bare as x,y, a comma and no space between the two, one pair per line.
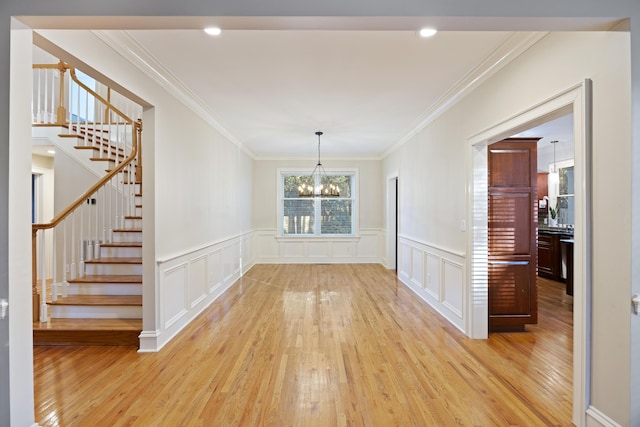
576,99
393,221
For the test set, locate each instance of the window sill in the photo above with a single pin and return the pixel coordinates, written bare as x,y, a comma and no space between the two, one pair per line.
319,238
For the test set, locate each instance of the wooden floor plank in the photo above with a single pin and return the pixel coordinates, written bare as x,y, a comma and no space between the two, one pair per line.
319,345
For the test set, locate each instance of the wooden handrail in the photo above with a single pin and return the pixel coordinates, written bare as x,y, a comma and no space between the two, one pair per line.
72,73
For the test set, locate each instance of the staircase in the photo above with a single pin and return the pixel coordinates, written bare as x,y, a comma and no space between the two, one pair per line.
98,298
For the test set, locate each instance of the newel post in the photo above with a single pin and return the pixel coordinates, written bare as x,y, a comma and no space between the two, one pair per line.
61,112
34,275
138,128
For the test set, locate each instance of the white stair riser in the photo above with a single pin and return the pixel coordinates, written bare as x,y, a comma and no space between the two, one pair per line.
127,236
136,188
133,223
121,252
94,312
105,162
113,269
138,200
104,289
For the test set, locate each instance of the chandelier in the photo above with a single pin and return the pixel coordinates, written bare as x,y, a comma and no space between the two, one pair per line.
321,186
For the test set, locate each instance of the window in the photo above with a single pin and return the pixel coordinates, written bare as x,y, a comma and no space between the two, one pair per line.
82,107
317,216
566,199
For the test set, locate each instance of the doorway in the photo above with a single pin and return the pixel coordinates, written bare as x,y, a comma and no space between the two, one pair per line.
392,222
576,99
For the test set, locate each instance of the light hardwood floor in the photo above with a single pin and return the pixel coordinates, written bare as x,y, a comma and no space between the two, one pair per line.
319,345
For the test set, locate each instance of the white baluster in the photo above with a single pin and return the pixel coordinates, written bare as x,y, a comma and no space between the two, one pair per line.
81,257
89,255
72,269
65,284
53,96
45,94
86,119
43,280
39,116
54,284
96,246
103,203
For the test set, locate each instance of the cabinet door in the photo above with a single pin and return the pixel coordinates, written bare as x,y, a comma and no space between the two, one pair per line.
543,184
513,297
546,256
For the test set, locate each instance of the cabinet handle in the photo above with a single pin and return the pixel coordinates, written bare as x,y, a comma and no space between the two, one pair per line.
509,262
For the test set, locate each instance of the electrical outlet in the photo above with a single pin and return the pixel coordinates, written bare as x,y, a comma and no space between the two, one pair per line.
463,225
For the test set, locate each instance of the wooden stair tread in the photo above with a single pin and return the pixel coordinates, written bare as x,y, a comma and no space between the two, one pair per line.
132,217
121,245
100,300
83,135
88,332
115,260
90,324
131,230
109,149
108,278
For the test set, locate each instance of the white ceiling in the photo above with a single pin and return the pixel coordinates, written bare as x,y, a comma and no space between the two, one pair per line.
271,90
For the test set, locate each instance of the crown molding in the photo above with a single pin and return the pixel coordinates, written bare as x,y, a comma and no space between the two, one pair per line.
513,47
125,45
304,157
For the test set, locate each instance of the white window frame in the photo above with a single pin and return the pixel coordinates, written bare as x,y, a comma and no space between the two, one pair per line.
355,226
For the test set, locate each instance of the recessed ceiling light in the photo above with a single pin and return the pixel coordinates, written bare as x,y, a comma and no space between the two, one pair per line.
428,32
51,151
213,31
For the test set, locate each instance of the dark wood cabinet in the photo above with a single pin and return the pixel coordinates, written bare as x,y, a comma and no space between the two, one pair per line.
543,184
547,249
513,300
553,247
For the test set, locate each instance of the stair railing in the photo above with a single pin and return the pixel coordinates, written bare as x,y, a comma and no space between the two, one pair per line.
78,230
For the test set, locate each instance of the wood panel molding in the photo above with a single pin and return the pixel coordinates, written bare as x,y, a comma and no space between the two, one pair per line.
436,275
189,283
366,248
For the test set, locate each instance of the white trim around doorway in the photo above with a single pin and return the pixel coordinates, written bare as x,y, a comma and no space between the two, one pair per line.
576,99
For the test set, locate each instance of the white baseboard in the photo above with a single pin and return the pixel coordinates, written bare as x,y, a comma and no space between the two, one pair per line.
597,418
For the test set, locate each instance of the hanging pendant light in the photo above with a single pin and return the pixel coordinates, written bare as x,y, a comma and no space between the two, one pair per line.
321,185
554,178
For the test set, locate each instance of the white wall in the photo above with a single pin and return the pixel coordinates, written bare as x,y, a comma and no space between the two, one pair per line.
19,256
430,212
366,246
201,201
71,180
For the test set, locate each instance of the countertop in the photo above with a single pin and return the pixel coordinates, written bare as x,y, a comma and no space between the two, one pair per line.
543,229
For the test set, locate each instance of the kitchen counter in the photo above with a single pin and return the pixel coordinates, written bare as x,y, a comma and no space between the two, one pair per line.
555,255
544,229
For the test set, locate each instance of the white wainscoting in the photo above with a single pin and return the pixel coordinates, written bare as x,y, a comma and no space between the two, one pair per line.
596,418
272,249
436,275
189,282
